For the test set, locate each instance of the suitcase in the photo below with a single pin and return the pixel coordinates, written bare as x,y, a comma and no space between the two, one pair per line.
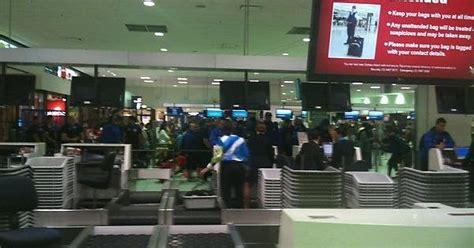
356,46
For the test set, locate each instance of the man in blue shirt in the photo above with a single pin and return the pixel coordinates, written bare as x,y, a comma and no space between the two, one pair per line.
437,137
112,132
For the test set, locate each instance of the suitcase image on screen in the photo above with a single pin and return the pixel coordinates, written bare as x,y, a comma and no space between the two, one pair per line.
356,46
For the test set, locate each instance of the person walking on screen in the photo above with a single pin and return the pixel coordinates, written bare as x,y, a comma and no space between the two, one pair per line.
351,24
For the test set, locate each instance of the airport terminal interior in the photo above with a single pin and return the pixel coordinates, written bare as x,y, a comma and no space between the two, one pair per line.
236,123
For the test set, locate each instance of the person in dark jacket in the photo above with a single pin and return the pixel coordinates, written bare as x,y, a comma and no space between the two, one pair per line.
261,156
343,150
287,138
112,132
272,128
437,137
311,156
351,24
399,149
192,146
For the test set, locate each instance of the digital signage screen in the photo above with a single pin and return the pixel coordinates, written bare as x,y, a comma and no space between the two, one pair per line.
353,115
174,111
214,113
376,116
238,114
285,114
417,41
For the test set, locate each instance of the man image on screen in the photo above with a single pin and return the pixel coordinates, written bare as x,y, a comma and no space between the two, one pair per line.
351,24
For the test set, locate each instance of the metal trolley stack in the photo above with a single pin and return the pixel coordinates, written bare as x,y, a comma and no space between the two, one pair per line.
269,188
24,218
369,190
449,186
312,188
54,181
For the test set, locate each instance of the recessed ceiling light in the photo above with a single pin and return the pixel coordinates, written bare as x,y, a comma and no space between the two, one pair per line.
454,110
318,107
149,3
182,82
145,78
149,81
218,80
256,73
306,39
283,93
215,83
359,90
288,82
175,85
406,88
163,49
357,83
394,84
282,85
375,87
103,75
292,91
254,80
182,79
285,54
170,70
159,34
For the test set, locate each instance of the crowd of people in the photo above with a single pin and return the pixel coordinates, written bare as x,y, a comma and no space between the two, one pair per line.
246,145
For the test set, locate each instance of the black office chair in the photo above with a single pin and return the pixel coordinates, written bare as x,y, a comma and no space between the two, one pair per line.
100,180
17,193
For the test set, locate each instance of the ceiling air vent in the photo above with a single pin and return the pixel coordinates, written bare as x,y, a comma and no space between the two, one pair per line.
299,30
147,28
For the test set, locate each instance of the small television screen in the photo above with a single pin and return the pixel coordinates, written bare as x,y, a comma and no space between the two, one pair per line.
111,92
375,116
18,89
238,114
83,91
285,114
174,111
461,152
214,113
451,99
353,115
304,114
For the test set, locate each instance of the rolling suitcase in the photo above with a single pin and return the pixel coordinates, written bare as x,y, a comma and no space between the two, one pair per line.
356,46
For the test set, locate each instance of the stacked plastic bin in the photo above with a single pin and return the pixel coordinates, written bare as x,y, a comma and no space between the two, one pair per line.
269,188
449,187
369,190
312,188
54,181
24,219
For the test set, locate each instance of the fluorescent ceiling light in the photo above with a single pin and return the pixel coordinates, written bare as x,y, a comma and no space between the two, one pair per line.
170,70
406,88
149,3
357,83
163,49
145,78
283,93
149,81
358,90
306,39
256,73
159,34
218,80
87,102
318,107
282,85
254,80
400,100
215,83
394,84
175,85
182,79
288,82
375,87
285,54
292,91
182,82
384,100
454,110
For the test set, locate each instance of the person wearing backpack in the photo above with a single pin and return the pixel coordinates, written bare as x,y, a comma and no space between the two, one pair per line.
436,137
